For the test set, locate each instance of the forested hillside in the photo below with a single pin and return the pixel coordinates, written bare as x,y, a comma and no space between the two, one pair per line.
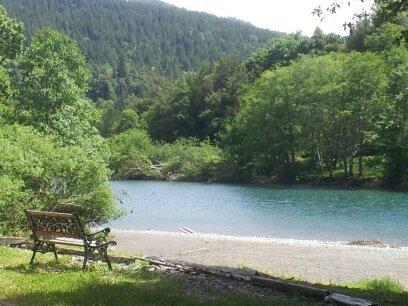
146,33
134,46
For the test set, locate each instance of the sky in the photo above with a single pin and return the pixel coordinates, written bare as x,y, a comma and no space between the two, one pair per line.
278,15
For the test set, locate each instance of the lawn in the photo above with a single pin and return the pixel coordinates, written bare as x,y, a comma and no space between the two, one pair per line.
51,282
63,282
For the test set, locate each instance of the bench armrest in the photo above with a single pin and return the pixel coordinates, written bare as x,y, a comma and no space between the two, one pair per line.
106,244
105,231
98,237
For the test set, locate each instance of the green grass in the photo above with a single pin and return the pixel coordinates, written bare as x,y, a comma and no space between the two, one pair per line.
384,291
51,282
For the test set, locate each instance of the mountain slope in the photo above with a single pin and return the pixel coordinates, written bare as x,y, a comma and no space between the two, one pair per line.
147,33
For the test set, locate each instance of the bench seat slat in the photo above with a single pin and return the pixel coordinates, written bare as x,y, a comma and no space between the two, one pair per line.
50,234
50,214
66,242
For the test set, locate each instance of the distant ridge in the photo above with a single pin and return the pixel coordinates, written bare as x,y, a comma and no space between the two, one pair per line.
148,33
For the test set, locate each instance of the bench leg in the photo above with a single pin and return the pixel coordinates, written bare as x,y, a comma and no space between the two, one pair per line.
35,248
55,251
85,258
103,253
107,259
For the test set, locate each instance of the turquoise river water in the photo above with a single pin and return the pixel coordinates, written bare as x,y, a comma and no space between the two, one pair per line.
278,211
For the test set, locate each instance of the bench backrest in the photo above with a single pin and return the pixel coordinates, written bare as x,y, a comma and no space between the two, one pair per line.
52,224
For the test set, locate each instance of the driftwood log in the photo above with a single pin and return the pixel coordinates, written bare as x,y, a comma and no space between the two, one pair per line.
289,286
340,299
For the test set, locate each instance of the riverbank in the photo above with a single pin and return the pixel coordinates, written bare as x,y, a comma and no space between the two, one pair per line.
335,183
314,261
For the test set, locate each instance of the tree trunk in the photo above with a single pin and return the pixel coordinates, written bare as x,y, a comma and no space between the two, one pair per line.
288,168
345,167
351,164
360,165
331,169
319,156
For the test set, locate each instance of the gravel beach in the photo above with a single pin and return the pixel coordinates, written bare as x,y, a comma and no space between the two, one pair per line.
315,261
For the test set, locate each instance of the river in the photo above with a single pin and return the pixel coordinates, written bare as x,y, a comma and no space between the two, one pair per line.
279,212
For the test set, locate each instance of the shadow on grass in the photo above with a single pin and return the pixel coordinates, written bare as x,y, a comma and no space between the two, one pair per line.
89,293
57,282
54,266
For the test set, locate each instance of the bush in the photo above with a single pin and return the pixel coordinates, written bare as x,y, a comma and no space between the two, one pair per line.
135,156
37,173
130,155
189,160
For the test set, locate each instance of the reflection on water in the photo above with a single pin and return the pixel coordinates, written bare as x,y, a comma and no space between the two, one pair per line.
279,211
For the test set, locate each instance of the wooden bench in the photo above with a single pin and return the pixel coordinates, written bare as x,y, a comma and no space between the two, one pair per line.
53,228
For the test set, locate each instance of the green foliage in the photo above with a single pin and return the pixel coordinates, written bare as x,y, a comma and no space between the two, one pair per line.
135,156
171,115
128,120
394,125
355,41
133,45
279,51
130,155
53,80
37,173
57,157
115,122
391,11
322,110
325,43
367,37
11,36
199,105
283,50
385,37
5,87
5,94
145,33
11,39
189,160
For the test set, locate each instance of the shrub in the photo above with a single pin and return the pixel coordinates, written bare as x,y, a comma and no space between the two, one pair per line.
130,155
189,160
135,156
37,173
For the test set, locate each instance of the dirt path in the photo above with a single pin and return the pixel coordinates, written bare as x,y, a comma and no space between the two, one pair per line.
308,260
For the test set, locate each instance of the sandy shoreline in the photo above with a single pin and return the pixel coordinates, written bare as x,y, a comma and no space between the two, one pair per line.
332,262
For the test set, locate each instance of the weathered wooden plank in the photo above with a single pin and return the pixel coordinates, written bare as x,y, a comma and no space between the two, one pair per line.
11,241
340,299
49,214
288,286
188,230
181,229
